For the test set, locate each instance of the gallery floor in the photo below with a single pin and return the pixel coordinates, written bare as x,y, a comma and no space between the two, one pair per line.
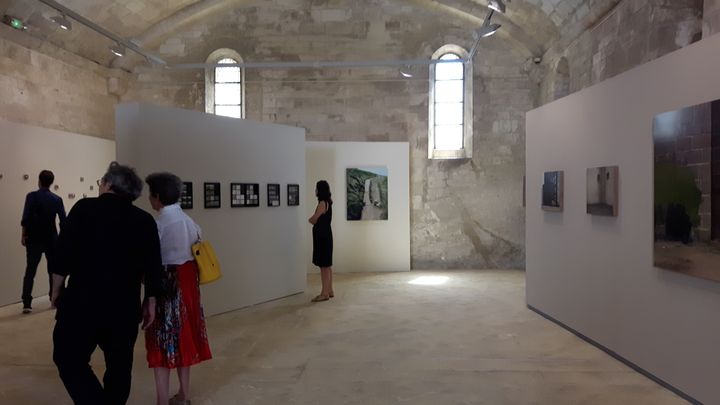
466,338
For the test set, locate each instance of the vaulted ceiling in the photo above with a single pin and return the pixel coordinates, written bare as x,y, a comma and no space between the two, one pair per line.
531,25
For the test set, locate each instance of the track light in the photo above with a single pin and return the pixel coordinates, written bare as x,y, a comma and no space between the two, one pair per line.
406,72
486,30
497,5
118,50
63,22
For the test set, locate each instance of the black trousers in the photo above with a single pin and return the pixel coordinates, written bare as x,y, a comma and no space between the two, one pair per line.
34,252
75,339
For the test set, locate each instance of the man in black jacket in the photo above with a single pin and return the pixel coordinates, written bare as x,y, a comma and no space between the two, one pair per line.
39,232
107,247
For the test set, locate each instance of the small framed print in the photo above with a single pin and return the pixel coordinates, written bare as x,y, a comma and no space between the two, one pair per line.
293,194
212,195
273,195
244,195
186,197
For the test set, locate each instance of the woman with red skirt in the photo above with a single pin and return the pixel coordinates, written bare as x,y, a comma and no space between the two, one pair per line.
177,339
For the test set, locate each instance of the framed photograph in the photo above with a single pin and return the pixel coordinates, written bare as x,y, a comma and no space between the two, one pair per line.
367,193
186,197
212,195
273,195
602,191
244,195
293,195
552,191
686,145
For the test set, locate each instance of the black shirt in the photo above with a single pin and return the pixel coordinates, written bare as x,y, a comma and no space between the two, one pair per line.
39,213
108,247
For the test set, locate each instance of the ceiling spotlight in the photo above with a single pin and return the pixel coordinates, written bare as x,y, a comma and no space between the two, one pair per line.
486,30
406,72
118,50
497,5
62,21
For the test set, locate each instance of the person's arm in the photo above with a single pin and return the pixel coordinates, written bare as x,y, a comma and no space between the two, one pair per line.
152,270
25,219
319,210
61,213
65,255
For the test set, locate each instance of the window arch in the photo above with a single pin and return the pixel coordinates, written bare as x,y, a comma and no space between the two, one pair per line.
225,86
451,106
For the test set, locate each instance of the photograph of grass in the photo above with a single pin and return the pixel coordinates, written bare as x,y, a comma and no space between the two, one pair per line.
552,191
602,191
367,193
687,190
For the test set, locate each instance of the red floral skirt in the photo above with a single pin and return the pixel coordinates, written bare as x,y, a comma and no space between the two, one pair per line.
178,337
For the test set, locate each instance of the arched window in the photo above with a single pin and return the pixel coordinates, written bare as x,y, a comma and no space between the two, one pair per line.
451,112
225,86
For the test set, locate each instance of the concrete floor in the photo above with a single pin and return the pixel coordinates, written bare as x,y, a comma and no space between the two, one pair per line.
381,340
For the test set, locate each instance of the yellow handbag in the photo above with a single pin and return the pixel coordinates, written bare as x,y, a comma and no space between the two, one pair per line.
208,264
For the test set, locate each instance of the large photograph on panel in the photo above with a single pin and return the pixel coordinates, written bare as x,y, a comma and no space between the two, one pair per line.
687,190
367,193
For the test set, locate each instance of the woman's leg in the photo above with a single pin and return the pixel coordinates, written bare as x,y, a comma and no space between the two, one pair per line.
162,385
184,378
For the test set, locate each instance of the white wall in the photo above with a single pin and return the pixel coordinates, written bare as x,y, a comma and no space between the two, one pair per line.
595,274
28,150
261,250
362,246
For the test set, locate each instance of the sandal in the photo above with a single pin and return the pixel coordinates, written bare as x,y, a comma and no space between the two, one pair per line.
320,298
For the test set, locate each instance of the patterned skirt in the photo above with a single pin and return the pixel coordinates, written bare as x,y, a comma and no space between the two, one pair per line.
178,337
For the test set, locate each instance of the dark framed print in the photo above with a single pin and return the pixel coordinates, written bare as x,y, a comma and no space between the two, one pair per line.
186,197
212,195
293,195
273,195
244,195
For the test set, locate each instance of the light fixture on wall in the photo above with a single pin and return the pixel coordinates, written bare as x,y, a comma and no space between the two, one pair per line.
62,21
406,71
497,5
118,50
486,30
14,22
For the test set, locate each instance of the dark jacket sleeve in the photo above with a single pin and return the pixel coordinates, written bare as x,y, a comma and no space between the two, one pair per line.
67,243
61,213
152,261
26,210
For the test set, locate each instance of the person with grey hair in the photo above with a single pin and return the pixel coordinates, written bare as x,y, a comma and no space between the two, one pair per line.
178,339
107,247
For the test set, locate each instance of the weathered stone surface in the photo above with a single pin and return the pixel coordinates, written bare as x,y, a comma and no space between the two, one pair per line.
633,33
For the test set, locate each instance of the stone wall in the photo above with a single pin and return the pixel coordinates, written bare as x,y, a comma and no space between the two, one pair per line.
633,33
45,86
464,213
711,17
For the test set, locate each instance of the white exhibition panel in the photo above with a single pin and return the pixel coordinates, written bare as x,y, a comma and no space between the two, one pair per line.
596,274
362,246
27,150
261,249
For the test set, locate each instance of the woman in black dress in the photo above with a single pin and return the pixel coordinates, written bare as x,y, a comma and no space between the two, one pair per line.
322,239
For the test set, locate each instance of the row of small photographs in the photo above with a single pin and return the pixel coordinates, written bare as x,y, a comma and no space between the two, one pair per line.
241,195
602,191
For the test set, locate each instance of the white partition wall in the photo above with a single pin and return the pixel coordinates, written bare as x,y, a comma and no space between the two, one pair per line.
26,150
362,246
261,249
596,274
